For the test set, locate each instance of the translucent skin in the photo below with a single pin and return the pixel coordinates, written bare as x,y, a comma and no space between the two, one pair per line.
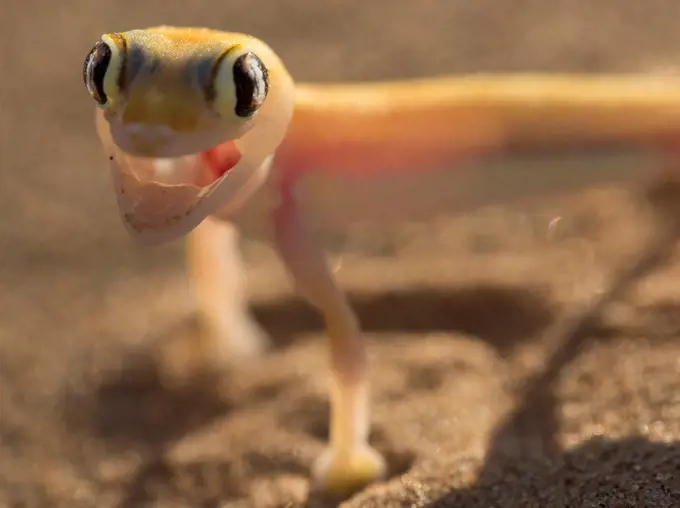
350,130
319,157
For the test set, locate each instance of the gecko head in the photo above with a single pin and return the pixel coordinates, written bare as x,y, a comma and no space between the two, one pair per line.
189,119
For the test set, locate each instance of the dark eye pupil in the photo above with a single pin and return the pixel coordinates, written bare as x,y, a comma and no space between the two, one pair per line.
94,70
252,84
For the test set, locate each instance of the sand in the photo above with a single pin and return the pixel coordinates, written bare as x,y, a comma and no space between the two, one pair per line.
513,365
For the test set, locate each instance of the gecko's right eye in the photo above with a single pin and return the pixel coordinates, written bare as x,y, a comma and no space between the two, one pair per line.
102,67
94,71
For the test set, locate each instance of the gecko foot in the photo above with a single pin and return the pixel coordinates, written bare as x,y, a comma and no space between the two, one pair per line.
238,338
339,474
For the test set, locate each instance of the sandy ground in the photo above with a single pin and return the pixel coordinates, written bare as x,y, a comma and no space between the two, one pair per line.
513,366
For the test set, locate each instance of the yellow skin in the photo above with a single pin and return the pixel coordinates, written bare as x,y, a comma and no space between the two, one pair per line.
340,153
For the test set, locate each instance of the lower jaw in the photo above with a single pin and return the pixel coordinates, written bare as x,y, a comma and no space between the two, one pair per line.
160,198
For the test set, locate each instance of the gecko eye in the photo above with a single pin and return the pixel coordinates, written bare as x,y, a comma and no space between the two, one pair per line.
239,83
94,71
101,69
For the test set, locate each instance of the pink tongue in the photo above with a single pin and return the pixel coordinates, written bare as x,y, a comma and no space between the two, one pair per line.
221,159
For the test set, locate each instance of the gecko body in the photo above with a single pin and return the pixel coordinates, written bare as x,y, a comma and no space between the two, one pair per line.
207,135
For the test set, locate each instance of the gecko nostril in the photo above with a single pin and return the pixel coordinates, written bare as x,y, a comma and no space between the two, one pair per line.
134,128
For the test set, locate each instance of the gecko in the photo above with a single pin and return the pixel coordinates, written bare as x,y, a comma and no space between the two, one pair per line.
208,138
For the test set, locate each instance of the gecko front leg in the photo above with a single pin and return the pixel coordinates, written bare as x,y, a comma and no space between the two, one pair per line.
218,278
349,462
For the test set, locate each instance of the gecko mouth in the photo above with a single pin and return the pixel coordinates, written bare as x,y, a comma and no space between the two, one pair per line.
160,199
200,169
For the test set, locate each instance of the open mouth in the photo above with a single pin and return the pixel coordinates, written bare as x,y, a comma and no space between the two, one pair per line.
164,195
201,169
161,199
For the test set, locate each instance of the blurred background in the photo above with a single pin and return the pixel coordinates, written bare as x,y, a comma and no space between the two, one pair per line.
515,364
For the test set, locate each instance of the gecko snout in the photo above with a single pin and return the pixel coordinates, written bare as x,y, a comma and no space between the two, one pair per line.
149,140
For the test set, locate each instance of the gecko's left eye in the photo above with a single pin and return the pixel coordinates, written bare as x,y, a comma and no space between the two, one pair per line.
239,84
